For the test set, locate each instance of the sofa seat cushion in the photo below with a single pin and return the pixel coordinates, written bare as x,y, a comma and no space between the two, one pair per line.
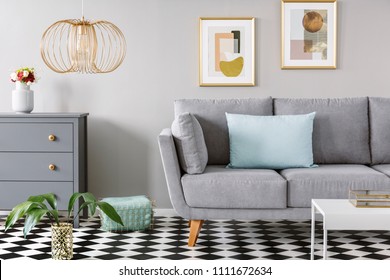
330,181
380,129
383,168
341,131
221,187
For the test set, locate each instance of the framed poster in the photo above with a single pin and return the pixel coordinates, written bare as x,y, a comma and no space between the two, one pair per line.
227,51
309,34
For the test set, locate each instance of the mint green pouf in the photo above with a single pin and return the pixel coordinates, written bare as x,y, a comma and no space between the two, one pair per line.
136,213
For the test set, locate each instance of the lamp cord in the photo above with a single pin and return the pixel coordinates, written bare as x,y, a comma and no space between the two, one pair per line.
82,9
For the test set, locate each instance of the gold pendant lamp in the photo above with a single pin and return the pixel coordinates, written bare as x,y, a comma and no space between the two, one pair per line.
83,46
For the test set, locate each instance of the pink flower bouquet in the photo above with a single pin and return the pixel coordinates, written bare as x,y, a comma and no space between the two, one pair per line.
24,75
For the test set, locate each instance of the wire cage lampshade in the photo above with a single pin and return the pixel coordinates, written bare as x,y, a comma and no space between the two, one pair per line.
83,46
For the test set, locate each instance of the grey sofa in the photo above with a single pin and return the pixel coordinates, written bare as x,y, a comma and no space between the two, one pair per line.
351,145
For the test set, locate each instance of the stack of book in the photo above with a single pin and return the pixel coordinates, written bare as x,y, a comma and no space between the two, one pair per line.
370,198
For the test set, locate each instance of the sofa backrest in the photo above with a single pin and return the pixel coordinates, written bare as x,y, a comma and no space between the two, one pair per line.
379,109
341,127
211,115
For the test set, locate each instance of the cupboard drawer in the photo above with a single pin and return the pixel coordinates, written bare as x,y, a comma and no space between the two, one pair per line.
13,193
35,166
34,137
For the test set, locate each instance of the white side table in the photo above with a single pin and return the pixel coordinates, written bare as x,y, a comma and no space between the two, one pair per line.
340,214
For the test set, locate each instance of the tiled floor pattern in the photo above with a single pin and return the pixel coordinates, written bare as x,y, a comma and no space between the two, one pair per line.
241,240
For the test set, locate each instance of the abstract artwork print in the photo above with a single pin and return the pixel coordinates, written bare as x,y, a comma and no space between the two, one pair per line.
308,34
226,52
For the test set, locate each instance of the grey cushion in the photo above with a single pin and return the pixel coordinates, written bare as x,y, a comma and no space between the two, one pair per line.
380,129
383,168
330,181
211,116
190,145
220,187
340,133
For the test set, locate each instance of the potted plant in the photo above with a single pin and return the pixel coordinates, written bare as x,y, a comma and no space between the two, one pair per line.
36,207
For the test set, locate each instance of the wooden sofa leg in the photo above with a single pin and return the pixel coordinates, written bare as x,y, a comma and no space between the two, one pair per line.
195,226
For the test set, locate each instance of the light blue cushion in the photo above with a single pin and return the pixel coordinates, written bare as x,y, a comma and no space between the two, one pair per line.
275,142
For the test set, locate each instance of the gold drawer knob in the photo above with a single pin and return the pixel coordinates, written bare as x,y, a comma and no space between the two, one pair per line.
52,137
52,167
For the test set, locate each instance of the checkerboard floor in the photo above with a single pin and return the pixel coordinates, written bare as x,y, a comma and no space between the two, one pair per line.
240,240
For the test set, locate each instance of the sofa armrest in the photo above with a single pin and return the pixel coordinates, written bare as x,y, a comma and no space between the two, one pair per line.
172,172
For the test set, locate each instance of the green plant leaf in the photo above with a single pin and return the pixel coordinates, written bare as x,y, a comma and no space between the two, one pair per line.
33,217
110,212
17,212
82,206
54,213
39,203
72,201
36,198
85,204
89,197
49,197
36,204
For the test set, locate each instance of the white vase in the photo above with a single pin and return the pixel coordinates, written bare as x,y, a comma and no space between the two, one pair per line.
22,98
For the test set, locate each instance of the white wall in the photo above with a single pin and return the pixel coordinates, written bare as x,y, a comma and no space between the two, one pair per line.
130,106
